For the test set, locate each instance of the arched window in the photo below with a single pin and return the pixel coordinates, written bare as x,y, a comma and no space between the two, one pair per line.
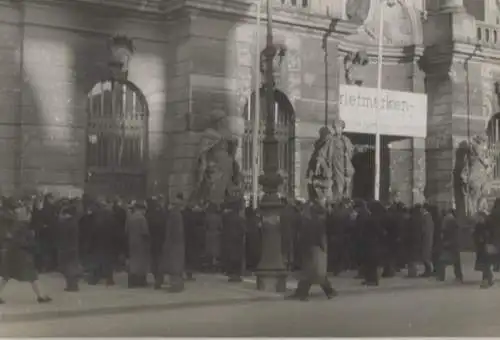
285,133
117,140
493,132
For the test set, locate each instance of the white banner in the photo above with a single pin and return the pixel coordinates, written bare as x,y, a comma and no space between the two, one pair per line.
401,114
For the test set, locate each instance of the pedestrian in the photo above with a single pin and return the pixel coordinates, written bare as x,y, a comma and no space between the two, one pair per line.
156,218
194,237
213,227
253,238
450,247
68,244
103,243
287,220
414,240
427,225
136,227
314,251
487,242
234,229
48,233
370,224
18,262
392,239
173,253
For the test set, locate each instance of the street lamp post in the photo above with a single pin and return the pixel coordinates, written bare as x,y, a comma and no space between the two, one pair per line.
271,272
380,58
256,116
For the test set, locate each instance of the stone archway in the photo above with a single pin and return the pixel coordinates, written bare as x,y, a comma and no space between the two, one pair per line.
117,140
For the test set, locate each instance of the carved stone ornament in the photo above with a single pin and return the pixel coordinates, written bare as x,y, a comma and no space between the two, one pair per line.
472,174
121,49
353,62
357,10
277,52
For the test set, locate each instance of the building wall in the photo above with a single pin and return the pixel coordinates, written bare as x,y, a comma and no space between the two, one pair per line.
57,54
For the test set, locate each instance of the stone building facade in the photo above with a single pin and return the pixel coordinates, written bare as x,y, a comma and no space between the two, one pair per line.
195,58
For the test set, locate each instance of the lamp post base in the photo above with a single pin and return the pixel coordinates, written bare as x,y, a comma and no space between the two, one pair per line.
271,282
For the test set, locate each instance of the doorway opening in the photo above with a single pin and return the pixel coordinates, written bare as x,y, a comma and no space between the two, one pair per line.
363,161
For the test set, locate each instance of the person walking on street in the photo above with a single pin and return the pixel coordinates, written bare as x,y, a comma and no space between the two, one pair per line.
314,251
18,262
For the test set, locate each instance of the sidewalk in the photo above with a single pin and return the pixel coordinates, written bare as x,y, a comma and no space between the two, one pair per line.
347,284
207,290
91,300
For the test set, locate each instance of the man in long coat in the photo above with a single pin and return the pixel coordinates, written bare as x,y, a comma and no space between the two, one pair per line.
68,244
173,253
427,241
234,230
139,248
314,251
156,217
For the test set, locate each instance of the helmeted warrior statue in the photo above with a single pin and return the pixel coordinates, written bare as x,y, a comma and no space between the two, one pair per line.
330,168
472,173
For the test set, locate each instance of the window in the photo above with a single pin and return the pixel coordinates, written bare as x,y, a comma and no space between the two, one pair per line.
117,135
493,132
285,133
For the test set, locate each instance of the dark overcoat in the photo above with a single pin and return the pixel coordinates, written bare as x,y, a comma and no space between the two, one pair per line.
173,253
234,230
68,245
213,227
313,244
19,256
138,243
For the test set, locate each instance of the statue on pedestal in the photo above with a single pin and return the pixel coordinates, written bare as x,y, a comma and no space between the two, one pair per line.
330,170
473,171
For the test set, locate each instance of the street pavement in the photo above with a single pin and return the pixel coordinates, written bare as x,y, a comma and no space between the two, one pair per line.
211,306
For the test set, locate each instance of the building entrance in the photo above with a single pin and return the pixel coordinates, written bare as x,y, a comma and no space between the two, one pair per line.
363,160
363,185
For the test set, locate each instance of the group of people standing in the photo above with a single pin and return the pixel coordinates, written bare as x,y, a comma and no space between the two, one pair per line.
94,238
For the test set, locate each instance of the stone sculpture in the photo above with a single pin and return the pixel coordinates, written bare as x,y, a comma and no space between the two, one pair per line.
353,62
472,173
218,173
330,168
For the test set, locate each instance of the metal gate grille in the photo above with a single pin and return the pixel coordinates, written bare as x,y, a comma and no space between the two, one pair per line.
117,140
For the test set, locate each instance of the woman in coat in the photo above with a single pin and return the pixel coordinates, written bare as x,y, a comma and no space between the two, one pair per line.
314,252
18,262
137,230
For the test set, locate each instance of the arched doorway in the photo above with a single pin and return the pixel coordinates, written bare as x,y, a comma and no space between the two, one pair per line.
285,133
117,140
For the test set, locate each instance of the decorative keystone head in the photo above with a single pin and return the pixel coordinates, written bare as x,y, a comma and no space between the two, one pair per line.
121,49
352,63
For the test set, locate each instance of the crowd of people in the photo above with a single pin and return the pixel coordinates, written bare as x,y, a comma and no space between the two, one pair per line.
91,239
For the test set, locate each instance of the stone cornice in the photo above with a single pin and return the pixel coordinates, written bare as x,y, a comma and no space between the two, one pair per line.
391,53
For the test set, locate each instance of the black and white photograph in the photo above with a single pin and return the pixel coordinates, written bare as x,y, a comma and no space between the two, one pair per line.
249,168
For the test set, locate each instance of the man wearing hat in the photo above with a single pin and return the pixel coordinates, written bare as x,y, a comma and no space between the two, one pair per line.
137,230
